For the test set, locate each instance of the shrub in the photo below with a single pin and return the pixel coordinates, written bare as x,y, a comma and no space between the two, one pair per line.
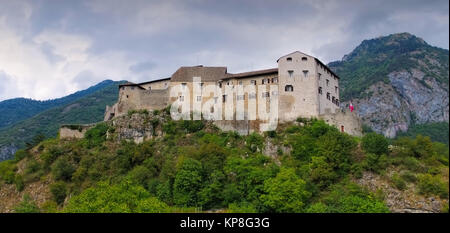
96,135
409,177
18,181
375,163
62,169
429,184
375,143
125,197
140,175
242,208
59,192
32,166
254,142
303,147
192,126
398,182
20,154
7,171
26,205
412,164
317,208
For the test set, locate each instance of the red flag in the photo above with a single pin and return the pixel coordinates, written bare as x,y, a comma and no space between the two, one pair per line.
351,107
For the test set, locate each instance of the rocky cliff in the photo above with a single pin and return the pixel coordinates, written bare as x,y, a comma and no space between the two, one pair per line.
395,81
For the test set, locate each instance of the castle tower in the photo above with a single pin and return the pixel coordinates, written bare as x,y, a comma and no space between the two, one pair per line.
298,86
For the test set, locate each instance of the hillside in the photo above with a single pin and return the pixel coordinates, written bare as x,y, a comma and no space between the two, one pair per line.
87,109
191,166
396,81
18,109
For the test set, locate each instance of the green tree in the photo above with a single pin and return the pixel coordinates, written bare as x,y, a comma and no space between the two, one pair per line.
125,197
286,193
320,172
188,182
375,143
59,192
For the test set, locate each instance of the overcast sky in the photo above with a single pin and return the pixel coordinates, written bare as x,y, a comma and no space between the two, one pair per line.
49,49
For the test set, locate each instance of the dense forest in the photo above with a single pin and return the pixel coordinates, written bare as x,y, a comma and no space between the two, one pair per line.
195,167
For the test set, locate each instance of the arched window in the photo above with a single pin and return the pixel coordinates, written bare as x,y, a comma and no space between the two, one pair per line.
289,59
304,58
289,88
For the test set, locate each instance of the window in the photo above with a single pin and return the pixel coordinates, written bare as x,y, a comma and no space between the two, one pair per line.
337,102
275,80
224,98
289,88
228,83
320,75
199,98
335,89
305,72
304,58
252,95
328,82
265,94
333,99
240,97
183,85
320,90
263,81
150,87
253,82
328,95
268,80
181,98
291,73
220,84
289,59
342,128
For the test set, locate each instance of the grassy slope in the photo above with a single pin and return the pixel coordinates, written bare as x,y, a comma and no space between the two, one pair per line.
191,168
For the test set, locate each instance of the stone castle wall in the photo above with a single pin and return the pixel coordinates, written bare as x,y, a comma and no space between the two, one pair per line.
344,120
73,131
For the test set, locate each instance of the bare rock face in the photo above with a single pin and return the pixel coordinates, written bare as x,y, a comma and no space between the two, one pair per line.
137,127
409,98
6,151
406,201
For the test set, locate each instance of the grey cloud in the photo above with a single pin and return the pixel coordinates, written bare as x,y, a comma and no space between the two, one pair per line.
142,66
159,36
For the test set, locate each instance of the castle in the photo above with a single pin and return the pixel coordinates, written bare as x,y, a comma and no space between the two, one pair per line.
301,86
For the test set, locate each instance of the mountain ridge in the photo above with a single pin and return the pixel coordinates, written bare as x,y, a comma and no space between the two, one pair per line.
395,82
86,109
18,109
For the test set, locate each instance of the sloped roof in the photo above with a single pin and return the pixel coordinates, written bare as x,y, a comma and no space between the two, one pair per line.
253,73
208,74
